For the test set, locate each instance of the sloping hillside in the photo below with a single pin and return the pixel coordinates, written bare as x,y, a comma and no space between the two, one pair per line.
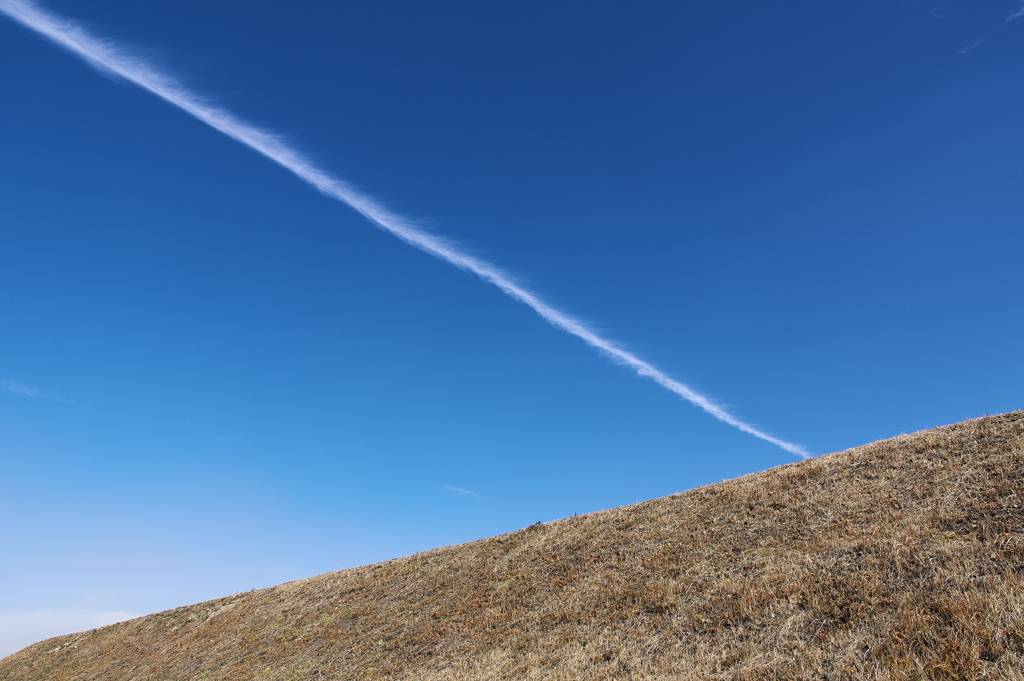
902,559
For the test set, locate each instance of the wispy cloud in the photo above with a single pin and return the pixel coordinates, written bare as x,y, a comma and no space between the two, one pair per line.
23,389
30,391
113,60
938,12
972,46
467,492
20,629
1012,16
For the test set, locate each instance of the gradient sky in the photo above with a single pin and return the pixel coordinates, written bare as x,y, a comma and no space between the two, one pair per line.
213,378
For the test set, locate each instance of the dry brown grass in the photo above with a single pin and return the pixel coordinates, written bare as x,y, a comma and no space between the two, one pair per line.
902,559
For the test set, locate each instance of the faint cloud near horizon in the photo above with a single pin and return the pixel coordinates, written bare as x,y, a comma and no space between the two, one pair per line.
21,629
467,492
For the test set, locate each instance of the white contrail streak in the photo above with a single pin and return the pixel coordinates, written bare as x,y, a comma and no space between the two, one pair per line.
108,58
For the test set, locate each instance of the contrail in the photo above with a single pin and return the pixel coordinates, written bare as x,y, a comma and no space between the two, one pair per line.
108,58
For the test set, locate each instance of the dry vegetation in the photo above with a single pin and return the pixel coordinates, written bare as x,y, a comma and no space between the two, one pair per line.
903,559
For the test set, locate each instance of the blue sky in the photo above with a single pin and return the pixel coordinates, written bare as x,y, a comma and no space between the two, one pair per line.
213,378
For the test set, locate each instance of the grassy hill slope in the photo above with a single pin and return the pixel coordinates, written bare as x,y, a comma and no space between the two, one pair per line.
902,559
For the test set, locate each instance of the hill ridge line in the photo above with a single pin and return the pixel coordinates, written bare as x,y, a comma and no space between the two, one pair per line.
898,559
